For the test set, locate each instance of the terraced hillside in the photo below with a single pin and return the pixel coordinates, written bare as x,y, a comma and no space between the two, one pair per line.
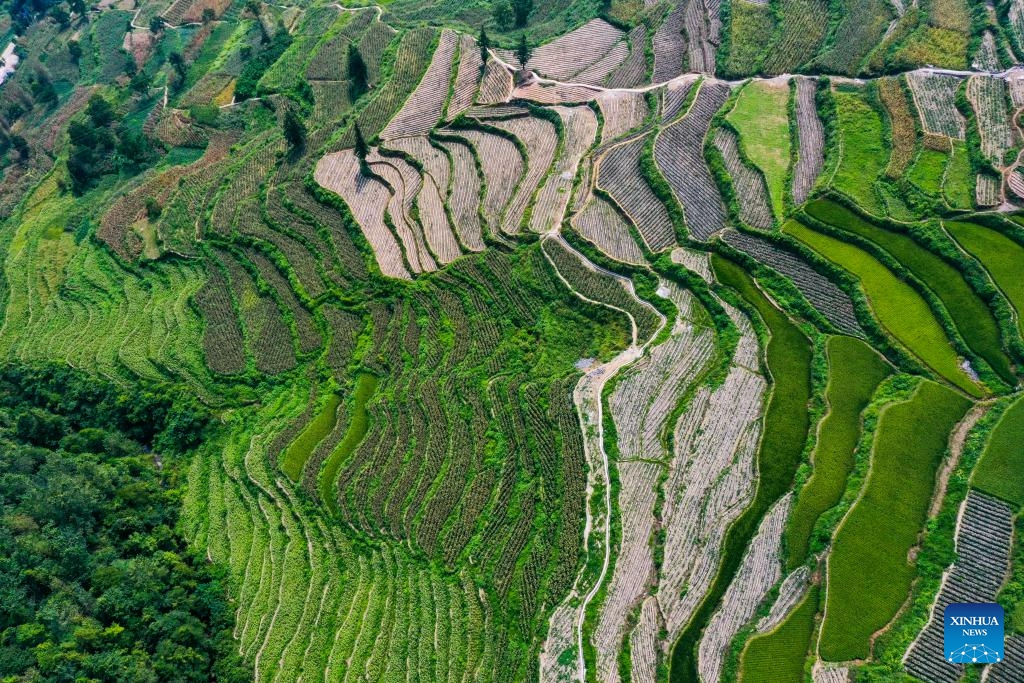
603,348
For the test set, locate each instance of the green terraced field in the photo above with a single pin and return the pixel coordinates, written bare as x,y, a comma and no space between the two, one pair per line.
778,656
973,319
855,371
416,416
885,521
997,471
999,255
761,116
899,308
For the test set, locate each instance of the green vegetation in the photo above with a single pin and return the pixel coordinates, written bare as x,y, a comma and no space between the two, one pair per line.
778,656
864,152
855,371
998,470
927,171
1000,256
973,319
298,452
786,422
761,116
98,582
958,183
899,308
884,524
355,432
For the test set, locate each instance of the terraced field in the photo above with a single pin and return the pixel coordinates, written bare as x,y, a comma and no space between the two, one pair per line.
600,367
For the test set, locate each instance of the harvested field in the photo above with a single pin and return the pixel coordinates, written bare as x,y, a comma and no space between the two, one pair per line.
422,111
831,301
367,199
679,152
541,140
748,184
641,406
223,345
502,168
885,522
987,191
434,161
710,482
988,98
139,44
670,46
935,100
758,572
811,140
622,112
601,224
633,70
543,92
496,85
467,78
644,648
405,183
599,72
702,26
675,95
440,238
464,195
791,593
984,536
986,58
574,53
579,126
618,172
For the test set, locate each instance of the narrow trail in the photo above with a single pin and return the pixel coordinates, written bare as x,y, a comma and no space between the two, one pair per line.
587,397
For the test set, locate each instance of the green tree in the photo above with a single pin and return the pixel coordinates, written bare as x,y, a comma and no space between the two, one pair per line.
504,14
60,15
485,45
294,130
357,71
522,9
74,50
156,24
524,50
78,7
100,111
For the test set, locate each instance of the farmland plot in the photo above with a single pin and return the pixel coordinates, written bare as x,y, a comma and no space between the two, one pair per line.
467,78
800,32
580,130
675,96
902,128
988,98
811,140
884,524
751,192
541,140
601,224
641,405
679,151
831,301
704,494
633,70
862,25
935,100
618,172
569,57
496,84
464,195
622,112
502,168
987,192
762,119
367,199
422,110
405,184
983,539
670,50
757,574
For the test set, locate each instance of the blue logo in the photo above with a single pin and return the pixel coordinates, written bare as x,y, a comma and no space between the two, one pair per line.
973,633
